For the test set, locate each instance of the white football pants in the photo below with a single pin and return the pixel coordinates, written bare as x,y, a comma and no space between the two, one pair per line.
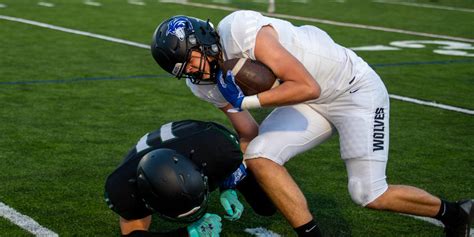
360,116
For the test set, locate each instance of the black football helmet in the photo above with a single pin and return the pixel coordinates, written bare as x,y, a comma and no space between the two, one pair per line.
174,40
172,185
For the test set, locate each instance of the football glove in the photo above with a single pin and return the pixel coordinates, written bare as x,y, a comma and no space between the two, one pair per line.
230,90
231,204
208,226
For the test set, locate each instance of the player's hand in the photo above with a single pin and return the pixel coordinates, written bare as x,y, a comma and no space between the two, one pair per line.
234,178
231,204
230,90
208,226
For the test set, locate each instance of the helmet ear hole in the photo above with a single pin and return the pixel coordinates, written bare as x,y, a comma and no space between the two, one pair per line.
215,48
192,40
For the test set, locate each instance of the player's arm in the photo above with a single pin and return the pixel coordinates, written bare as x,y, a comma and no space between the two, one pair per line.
243,123
129,226
298,86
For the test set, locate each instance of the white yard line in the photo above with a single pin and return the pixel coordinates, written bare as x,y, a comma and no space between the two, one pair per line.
432,104
411,4
222,1
46,4
92,3
171,1
300,1
261,232
121,41
25,222
374,48
2,5
329,22
137,2
77,32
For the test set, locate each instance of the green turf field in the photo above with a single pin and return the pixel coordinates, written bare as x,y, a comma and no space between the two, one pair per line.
71,106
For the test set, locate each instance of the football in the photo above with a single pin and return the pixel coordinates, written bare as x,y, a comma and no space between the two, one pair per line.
251,76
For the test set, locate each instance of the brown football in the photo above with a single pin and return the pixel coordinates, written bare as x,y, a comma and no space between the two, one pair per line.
252,76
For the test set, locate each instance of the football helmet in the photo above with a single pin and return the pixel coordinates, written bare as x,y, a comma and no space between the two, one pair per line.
174,40
172,186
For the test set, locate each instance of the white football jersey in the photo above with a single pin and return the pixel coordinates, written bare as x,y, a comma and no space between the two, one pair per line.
209,93
331,65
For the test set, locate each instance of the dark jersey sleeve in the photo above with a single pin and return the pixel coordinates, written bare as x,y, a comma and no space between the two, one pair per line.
120,190
210,145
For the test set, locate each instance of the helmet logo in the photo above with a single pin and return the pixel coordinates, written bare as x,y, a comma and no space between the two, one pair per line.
178,27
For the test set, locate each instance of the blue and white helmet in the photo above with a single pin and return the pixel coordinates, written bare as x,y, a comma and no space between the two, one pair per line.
174,40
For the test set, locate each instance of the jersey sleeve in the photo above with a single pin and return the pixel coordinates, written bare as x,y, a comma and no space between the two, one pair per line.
238,33
209,93
120,190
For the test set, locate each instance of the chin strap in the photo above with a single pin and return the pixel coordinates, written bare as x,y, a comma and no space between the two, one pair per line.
213,71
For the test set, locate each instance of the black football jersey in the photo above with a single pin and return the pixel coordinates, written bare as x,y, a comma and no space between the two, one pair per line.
210,145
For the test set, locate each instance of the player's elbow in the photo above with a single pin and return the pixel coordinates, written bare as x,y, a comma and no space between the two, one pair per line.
314,91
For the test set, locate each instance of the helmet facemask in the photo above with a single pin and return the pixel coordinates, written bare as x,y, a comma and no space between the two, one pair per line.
197,77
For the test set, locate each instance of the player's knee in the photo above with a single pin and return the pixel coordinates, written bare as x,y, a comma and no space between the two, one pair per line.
360,193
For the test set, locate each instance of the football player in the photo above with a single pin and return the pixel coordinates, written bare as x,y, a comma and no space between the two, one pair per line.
171,171
326,88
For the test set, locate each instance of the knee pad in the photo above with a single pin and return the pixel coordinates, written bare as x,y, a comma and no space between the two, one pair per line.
359,191
364,192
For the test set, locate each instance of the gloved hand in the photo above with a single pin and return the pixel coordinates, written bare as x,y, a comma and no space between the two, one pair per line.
230,90
231,204
208,226
234,178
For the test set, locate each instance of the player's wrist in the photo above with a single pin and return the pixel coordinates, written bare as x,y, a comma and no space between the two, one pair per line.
251,102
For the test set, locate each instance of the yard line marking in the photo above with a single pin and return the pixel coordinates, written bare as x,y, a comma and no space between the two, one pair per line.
411,4
77,32
121,41
222,1
2,5
328,22
25,222
92,3
414,63
82,79
171,1
433,221
137,2
300,1
261,232
432,104
46,4
374,48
